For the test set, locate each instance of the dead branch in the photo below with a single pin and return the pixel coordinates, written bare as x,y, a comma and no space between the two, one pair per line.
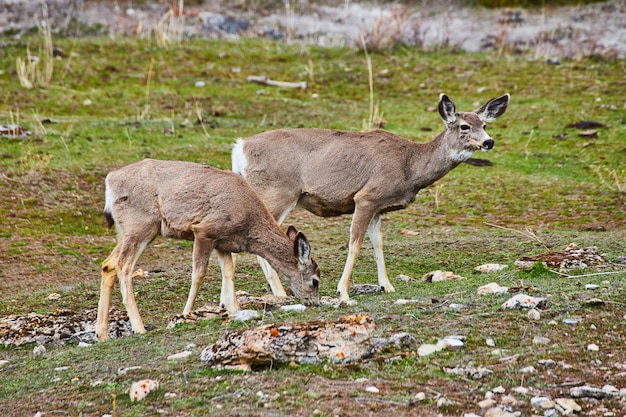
267,81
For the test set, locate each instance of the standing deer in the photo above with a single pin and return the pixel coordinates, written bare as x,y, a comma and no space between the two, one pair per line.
331,172
216,209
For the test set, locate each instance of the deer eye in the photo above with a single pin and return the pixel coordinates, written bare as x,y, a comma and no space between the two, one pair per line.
465,127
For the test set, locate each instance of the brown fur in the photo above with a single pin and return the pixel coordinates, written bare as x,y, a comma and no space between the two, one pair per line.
330,172
216,209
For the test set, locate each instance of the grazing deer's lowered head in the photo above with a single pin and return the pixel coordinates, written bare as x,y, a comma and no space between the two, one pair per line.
217,210
332,172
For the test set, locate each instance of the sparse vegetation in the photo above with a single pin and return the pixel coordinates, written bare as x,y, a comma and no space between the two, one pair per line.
124,99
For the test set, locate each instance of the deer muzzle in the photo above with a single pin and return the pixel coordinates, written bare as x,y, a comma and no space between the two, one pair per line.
488,144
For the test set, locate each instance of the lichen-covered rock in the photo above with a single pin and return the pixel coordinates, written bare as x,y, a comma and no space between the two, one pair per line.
61,326
342,341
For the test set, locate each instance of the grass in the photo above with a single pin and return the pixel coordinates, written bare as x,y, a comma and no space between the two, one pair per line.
117,101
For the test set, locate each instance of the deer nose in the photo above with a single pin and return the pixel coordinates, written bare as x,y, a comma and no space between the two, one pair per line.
488,144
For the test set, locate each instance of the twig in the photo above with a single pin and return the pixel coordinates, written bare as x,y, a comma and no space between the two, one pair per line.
528,233
585,275
376,400
267,81
567,384
237,393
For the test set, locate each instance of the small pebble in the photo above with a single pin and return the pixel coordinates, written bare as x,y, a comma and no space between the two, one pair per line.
593,347
533,314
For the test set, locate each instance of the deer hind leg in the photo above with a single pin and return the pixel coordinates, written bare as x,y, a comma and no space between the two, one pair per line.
228,299
109,273
202,248
375,233
360,220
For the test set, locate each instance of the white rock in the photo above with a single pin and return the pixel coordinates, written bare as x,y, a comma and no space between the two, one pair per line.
420,396
245,315
83,345
404,278
521,390
491,288
124,371
39,350
3,362
180,355
588,392
140,389
87,102
498,412
528,370
593,347
444,402
439,276
450,342
533,314
488,268
540,340
490,342
170,395
298,308
592,286
457,307
372,389
200,84
486,404
542,402
428,349
509,401
524,301
524,265
610,390
571,321
499,390
546,363
403,301
54,296
567,406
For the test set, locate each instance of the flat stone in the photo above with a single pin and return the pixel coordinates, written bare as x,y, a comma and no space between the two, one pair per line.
567,406
492,288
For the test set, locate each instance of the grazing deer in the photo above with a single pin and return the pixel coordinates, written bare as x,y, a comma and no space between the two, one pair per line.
216,209
331,172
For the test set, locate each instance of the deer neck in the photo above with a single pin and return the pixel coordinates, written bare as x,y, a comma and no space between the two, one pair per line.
276,248
432,160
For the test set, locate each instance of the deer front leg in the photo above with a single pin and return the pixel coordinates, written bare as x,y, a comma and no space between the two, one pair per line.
106,290
375,233
361,218
272,278
228,299
129,253
202,248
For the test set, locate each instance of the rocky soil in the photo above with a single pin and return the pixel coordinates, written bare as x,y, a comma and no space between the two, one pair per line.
550,32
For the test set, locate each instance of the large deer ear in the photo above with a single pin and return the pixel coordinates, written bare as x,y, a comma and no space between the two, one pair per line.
447,110
493,109
292,233
301,249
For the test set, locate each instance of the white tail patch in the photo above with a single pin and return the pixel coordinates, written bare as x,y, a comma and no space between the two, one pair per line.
239,161
108,197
